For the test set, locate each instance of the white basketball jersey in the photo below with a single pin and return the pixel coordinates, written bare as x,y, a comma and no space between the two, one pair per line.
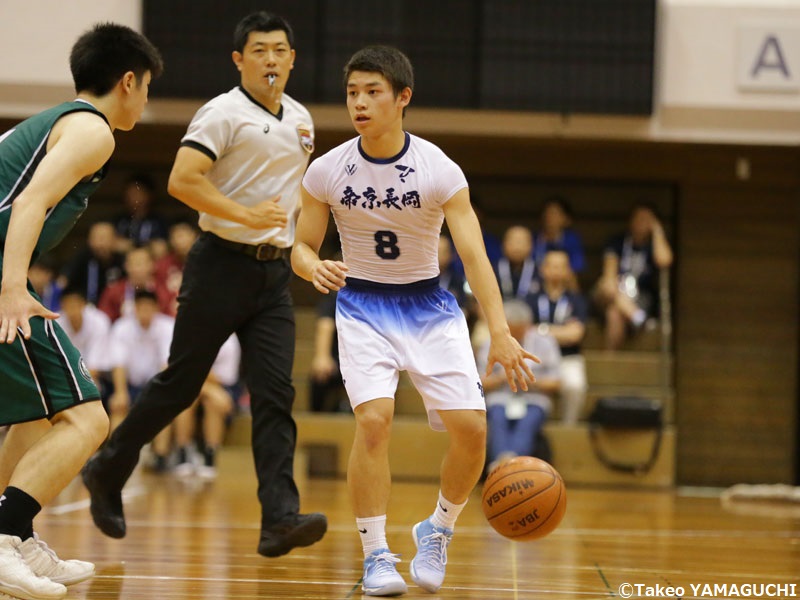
388,211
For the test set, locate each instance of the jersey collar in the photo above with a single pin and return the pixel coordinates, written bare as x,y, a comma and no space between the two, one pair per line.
279,114
385,161
102,115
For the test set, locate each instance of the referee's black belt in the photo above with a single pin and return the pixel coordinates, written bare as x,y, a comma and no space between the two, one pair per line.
263,252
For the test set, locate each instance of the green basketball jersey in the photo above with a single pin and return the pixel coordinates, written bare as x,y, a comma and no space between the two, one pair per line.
21,150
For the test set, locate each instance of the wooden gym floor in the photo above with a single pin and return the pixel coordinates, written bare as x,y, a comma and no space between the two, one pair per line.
188,540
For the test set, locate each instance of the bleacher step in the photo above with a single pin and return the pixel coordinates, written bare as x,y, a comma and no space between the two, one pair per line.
416,449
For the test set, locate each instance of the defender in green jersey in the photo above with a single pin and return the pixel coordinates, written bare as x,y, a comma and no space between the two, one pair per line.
49,165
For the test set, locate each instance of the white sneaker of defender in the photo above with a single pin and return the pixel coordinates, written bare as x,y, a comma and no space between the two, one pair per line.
44,562
18,580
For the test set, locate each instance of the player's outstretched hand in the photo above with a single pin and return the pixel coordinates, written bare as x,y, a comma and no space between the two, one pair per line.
16,310
506,351
329,275
267,214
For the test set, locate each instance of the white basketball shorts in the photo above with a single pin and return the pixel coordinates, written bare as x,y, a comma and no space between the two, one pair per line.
417,327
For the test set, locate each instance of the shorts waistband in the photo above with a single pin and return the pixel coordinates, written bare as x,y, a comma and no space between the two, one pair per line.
262,252
423,286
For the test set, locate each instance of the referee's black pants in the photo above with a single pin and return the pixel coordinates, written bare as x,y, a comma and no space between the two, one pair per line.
223,292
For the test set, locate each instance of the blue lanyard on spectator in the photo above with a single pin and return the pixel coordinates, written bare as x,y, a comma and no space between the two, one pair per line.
626,260
560,312
627,264
525,278
93,282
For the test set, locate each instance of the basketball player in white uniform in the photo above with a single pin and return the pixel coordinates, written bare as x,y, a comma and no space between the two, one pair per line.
389,192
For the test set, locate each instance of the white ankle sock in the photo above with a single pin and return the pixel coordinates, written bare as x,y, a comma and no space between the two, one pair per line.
446,513
373,533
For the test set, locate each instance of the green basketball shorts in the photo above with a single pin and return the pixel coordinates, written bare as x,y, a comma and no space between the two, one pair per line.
42,376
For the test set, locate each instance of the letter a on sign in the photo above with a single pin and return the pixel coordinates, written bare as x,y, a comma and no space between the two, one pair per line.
769,58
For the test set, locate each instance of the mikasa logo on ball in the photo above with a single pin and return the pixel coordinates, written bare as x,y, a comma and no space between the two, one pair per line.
518,487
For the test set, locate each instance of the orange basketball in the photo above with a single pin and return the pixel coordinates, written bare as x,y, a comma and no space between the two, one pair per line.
524,498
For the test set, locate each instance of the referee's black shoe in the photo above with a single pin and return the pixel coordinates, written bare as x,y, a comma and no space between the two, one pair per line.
106,503
294,531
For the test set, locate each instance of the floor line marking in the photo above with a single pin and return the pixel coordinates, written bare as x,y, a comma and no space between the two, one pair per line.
605,581
514,577
62,509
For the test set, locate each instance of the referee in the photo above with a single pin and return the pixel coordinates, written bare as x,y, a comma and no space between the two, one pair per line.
240,166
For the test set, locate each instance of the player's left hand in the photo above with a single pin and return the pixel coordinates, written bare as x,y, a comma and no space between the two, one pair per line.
506,351
329,275
16,311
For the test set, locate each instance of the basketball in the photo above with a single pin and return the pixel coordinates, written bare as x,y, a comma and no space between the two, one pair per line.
524,498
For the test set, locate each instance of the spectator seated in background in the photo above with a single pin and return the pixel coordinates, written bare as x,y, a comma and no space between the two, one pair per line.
42,277
88,328
96,265
516,271
493,245
450,278
516,276
515,420
139,349
117,298
216,399
139,226
628,291
327,393
562,314
168,270
556,233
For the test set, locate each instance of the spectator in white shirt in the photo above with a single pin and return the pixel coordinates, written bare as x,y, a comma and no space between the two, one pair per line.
515,419
139,349
88,328
217,399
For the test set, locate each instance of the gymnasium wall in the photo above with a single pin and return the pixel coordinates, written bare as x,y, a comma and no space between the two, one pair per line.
706,85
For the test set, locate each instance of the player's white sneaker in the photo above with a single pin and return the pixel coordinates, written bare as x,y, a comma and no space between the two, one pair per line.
183,470
427,567
380,575
18,580
206,472
45,563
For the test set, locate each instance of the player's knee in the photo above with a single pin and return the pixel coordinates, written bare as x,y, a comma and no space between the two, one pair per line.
374,426
219,403
470,429
96,423
90,420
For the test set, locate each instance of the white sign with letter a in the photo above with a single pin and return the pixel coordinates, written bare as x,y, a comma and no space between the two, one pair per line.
769,57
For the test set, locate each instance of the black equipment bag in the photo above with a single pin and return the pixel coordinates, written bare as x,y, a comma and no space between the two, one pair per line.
626,412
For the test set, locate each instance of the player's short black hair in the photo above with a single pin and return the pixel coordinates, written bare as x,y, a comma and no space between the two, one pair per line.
102,55
260,21
46,262
144,294
644,204
386,60
73,290
559,201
